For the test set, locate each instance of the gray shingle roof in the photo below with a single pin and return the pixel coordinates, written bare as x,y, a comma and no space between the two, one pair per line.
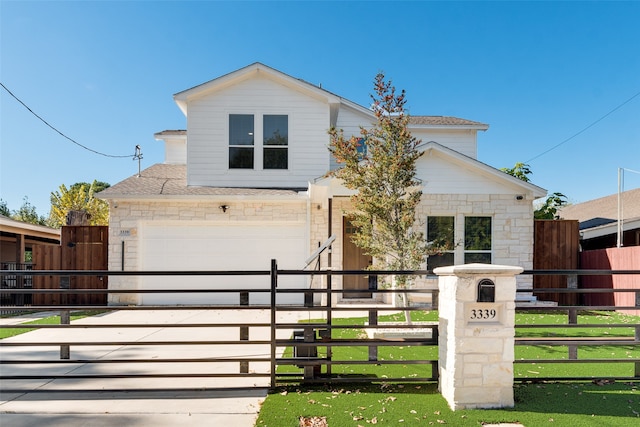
603,210
171,180
443,121
171,132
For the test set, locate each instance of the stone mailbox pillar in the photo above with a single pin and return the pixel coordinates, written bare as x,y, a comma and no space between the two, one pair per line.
477,319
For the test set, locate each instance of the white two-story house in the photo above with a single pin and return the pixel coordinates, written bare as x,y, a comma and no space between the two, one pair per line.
247,182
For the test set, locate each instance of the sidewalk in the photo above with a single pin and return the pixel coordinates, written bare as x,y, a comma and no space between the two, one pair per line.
134,402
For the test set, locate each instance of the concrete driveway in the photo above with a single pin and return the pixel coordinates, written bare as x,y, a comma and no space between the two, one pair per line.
139,402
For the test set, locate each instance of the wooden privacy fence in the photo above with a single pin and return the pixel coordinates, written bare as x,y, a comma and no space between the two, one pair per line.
81,248
556,247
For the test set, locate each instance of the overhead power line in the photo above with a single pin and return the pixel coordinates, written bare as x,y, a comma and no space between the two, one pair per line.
586,128
60,133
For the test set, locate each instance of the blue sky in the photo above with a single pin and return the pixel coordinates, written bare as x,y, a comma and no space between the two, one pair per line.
104,73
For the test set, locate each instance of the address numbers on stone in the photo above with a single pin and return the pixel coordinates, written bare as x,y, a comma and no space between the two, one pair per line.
483,313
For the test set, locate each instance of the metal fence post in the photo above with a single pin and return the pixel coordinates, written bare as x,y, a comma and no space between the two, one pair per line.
65,315
573,320
329,319
273,273
572,283
373,322
637,365
244,332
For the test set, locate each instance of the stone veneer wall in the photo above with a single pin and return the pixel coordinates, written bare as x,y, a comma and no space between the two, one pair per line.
125,220
476,356
512,222
512,227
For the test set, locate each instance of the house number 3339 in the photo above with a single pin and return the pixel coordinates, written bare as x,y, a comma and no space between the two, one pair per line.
482,314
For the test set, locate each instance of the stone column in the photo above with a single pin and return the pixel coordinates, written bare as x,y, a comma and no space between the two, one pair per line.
476,345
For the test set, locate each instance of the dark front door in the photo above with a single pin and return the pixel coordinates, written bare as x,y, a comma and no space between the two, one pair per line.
353,258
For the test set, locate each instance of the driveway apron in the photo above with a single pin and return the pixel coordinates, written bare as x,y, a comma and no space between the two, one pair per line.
140,401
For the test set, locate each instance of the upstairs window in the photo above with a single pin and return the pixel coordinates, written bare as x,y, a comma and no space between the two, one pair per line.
362,148
440,234
241,141
275,130
477,239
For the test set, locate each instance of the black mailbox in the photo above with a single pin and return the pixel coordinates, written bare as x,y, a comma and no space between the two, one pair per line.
306,335
486,291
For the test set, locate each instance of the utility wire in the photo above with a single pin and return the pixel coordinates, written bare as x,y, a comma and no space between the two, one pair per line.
583,130
56,130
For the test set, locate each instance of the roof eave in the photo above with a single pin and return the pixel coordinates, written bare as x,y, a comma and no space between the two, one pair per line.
294,197
470,127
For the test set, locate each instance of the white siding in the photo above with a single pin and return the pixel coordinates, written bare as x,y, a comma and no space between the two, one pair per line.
460,140
442,175
175,151
208,122
349,120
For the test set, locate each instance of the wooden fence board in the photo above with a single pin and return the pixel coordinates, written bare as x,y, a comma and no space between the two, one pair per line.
556,247
81,248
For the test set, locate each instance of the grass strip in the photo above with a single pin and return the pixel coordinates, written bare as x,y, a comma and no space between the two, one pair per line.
51,320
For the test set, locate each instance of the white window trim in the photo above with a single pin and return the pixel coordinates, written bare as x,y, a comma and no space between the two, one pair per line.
258,140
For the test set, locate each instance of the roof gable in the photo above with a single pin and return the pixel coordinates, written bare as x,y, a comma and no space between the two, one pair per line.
258,68
445,171
248,72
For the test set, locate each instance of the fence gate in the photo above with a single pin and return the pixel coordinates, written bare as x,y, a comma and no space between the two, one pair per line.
81,248
556,247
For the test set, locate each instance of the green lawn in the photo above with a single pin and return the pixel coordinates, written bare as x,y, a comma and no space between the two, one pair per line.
571,405
560,404
521,370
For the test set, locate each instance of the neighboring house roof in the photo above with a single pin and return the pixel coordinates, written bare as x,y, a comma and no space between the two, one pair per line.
8,225
605,209
171,180
599,217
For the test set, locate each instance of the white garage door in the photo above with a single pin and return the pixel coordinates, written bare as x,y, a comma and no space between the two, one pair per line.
198,247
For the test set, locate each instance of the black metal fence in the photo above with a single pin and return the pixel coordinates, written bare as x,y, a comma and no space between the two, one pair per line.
15,281
316,340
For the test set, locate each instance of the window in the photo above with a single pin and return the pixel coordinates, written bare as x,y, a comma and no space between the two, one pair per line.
275,130
477,239
440,234
241,141
362,148
270,148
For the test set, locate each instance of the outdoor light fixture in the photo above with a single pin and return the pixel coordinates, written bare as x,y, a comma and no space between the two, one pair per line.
224,207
